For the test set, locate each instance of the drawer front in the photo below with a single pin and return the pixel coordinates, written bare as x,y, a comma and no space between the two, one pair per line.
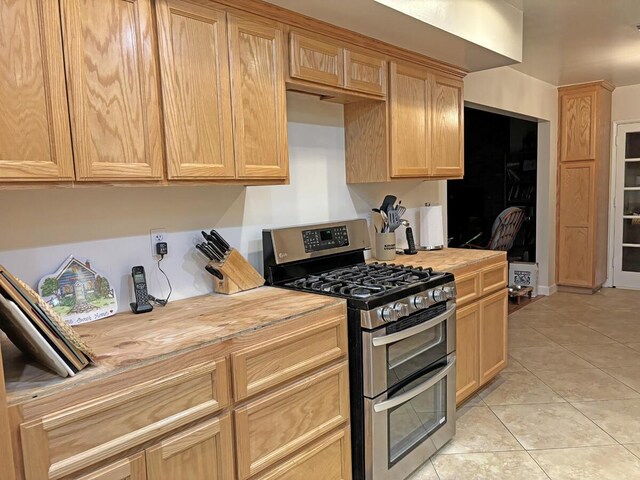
316,60
84,434
493,278
260,367
328,459
365,73
132,468
467,289
275,426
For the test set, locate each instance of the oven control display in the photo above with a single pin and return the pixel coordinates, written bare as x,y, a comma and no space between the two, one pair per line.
325,238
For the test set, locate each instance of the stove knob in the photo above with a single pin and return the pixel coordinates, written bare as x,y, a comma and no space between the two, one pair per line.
402,309
388,314
450,291
420,302
438,295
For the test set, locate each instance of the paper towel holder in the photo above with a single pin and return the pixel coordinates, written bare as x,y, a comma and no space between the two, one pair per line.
431,228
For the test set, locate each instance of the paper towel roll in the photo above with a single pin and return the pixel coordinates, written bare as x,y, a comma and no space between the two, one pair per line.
431,227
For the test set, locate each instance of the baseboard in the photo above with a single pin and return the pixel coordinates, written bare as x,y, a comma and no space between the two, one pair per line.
547,290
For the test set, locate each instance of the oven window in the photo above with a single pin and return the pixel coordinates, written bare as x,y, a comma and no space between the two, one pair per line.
413,421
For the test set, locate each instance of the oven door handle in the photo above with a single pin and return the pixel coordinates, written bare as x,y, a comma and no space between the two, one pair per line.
396,337
411,394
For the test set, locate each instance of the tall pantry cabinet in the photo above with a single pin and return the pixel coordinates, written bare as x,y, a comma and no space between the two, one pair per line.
584,146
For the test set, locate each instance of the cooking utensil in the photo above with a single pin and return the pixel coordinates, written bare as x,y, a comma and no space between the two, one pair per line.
204,251
401,210
213,241
214,272
221,241
387,203
394,220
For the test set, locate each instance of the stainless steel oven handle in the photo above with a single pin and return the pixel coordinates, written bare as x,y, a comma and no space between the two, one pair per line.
409,332
411,394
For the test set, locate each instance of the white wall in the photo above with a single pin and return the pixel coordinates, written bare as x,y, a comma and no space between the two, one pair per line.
625,105
110,225
509,91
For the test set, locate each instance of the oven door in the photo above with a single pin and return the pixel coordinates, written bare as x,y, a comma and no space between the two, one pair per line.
404,428
401,349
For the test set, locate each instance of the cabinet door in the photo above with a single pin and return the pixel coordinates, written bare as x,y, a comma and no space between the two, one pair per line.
575,224
132,468
113,89
410,139
447,144
35,139
493,335
316,60
365,73
578,126
258,98
467,351
204,452
196,90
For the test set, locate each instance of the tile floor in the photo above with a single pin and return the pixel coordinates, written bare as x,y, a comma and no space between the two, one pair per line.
568,405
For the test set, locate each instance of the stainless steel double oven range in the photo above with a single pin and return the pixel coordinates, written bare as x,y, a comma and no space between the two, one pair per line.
401,323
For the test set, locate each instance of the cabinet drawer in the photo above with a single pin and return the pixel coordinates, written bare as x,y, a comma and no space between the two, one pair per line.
467,288
328,459
132,468
316,60
275,426
79,436
273,362
365,73
493,278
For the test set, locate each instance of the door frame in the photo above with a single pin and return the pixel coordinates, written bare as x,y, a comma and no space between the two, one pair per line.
613,183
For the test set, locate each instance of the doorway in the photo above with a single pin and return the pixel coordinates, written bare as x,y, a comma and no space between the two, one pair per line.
626,245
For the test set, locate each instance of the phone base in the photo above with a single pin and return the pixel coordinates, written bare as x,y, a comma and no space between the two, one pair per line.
140,309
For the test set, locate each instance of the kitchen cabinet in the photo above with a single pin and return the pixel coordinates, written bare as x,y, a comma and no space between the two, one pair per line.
493,335
203,452
316,60
583,186
196,90
131,468
467,350
256,52
365,72
35,136
113,89
447,143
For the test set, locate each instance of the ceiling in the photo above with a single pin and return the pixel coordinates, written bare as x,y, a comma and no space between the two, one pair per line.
564,41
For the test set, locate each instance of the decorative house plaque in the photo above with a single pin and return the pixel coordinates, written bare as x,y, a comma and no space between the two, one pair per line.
78,292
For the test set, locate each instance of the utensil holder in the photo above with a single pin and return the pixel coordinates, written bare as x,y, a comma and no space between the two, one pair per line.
239,275
385,246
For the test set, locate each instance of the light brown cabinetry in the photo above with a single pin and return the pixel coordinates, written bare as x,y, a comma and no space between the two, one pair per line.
447,144
35,138
365,73
315,60
132,468
583,186
203,452
113,89
481,326
196,90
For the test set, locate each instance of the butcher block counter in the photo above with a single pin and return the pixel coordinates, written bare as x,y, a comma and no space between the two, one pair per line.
167,384
482,316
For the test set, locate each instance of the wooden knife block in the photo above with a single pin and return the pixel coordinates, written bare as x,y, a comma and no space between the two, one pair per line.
238,274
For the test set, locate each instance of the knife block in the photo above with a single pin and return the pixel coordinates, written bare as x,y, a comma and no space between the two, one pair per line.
239,275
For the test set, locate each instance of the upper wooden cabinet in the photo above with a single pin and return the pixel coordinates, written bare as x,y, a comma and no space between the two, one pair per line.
35,140
583,185
196,90
113,89
258,97
365,73
447,143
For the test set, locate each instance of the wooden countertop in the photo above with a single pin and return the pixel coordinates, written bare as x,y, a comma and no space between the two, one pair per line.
127,340
454,260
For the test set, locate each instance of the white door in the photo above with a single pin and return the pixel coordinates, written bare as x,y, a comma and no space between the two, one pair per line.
626,255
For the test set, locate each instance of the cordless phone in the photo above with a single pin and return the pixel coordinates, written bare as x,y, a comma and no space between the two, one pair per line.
141,305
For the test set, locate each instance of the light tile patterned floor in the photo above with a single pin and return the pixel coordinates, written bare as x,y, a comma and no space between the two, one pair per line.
568,405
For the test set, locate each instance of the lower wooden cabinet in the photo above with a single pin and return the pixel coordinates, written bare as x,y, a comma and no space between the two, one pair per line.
493,335
204,452
467,351
131,468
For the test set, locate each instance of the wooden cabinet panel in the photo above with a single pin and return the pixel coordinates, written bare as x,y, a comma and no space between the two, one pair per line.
447,143
113,89
410,122
493,335
35,138
277,360
258,98
365,73
132,468
575,231
315,60
204,452
196,90
577,126
84,434
493,278
467,351
270,428
467,288
328,459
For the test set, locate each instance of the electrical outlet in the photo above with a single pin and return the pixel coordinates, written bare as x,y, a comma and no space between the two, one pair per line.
157,235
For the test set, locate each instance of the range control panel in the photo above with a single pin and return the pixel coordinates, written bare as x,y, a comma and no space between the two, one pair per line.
325,238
